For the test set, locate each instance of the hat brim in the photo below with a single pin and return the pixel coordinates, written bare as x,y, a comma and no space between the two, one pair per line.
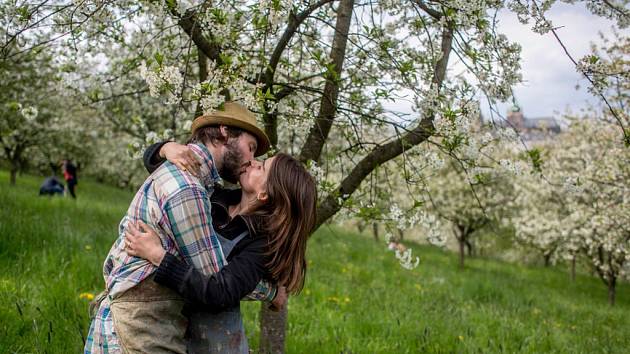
218,119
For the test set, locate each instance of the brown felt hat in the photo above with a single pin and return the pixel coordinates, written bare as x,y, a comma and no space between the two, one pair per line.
235,115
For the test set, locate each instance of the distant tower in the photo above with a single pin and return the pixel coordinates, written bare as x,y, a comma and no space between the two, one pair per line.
515,117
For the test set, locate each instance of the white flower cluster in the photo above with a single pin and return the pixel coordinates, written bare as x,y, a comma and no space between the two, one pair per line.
510,167
274,12
210,92
29,113
406,259
435,236
404,219
397,215
152,138
572,185
527,10
163,79
434,160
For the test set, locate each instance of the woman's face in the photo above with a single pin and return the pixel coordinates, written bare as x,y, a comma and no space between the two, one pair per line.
254,179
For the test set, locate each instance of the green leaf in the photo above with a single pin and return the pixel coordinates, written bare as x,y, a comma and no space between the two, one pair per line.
171,4
159,58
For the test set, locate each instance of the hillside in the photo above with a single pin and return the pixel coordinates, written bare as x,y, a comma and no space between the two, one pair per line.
357,298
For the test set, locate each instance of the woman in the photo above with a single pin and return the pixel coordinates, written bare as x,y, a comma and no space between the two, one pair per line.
265,225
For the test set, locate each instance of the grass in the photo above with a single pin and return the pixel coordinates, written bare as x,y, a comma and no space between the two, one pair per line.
357,298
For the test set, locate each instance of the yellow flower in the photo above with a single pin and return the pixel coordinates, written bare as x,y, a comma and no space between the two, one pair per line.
346,299
536,311
88,247
461,337
88,296
307,292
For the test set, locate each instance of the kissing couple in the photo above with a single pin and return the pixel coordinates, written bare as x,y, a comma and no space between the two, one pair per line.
188,249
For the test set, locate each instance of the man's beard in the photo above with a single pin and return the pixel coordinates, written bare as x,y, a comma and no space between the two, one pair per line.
232,162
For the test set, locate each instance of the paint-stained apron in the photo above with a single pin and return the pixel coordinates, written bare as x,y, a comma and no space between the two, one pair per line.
218,332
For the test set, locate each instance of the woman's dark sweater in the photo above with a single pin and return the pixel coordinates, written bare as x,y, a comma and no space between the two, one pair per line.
246,263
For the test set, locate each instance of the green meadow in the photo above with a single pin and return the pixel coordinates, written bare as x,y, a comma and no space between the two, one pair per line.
357,298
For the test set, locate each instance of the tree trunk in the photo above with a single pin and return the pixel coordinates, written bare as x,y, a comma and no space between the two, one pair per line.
547,258
401,234
360,227
375,231
612,284
13,175
469,247
573,269
272,329
462,244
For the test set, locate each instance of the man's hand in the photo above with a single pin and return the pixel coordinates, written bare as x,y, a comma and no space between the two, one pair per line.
181,156
280,301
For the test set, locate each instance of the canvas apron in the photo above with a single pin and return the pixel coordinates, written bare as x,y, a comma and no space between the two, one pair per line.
148,319
218,332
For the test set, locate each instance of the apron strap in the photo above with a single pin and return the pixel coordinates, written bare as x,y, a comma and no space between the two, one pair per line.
228,245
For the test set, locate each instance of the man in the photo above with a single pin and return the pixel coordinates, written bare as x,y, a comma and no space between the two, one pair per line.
136,314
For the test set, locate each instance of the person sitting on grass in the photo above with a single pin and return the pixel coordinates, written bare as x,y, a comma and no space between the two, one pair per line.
51,186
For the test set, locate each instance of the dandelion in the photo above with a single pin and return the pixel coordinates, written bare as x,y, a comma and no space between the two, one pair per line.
87,296
88,247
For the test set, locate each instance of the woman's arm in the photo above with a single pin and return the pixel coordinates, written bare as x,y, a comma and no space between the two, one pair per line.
214,292
180,155
151,158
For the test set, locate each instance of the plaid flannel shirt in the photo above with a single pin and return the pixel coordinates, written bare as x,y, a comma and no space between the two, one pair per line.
177,205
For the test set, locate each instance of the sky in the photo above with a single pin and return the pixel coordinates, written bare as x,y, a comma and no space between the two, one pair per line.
550,78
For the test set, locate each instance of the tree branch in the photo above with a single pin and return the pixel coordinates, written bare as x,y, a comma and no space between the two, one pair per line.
384,153
312,148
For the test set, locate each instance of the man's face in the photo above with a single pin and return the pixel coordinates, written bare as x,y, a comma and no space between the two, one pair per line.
238,151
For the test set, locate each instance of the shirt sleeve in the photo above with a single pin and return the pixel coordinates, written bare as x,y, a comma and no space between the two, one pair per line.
242,276
151,157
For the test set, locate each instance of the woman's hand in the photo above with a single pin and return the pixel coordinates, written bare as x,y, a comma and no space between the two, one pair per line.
181,156
142,241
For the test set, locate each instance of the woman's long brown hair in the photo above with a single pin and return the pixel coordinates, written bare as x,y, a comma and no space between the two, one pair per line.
288,218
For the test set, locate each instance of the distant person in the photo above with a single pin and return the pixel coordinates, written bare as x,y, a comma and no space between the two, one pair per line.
70,175
51,186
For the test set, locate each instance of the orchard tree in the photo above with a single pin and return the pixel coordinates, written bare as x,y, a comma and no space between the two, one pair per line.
26,112
596,169
579,203
469,202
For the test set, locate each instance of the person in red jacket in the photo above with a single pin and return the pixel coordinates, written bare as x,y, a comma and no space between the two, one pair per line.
70,175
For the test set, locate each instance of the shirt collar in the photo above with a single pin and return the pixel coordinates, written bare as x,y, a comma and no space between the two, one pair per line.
209,175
